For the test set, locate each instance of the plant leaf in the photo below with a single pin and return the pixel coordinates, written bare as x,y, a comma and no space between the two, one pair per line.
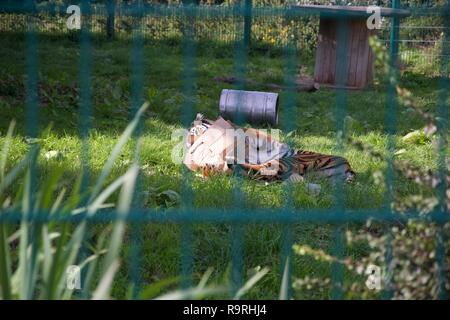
285,283
250,283
116,151
5,150
153,289
102,291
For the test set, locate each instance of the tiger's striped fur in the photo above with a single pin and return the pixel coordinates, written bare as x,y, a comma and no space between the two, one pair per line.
294,162
303,162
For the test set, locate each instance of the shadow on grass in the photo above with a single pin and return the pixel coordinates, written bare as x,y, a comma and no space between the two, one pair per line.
164,71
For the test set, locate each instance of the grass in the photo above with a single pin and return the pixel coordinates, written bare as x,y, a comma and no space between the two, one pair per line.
313,114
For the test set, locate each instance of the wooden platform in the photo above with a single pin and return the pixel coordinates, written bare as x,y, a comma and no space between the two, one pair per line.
348,11
358,61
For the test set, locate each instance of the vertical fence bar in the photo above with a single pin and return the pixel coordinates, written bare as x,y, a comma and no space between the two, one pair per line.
189,92
247,23
390,129
442,131
85,113
137,86
237,234
110,18
85,91
340,110
237,229
288,105
32,113
32,130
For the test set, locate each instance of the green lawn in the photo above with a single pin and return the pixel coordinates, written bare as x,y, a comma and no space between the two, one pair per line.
313,114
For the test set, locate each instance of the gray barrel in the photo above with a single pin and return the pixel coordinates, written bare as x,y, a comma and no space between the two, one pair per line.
255,107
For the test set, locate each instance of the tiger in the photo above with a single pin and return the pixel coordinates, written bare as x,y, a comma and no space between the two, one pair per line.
288,164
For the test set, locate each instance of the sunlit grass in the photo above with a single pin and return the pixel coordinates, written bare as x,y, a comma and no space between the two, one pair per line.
163,70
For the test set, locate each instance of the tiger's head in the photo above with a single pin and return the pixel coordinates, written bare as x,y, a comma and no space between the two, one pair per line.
198,127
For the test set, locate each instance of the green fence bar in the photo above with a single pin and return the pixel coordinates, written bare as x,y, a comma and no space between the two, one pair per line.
443,127
110,20
247,22
390,125
189,92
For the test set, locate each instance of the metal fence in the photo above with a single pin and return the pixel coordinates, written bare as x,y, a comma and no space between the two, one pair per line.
420,36
141,22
